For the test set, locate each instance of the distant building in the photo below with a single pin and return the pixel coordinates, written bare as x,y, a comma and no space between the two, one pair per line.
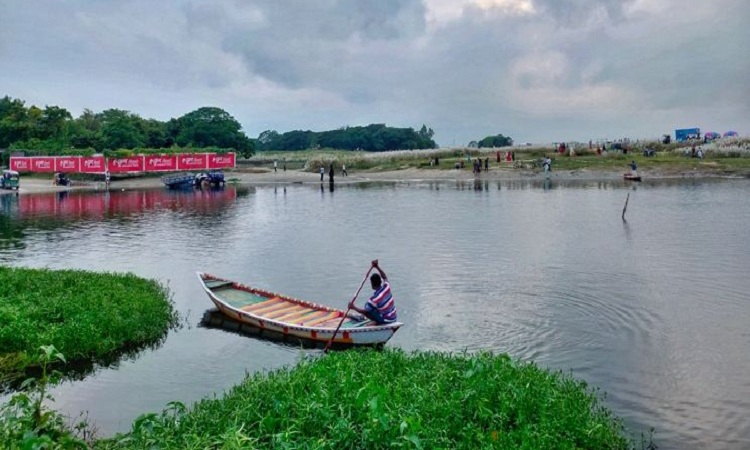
686,134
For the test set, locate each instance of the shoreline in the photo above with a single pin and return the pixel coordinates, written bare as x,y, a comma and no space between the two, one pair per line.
37,185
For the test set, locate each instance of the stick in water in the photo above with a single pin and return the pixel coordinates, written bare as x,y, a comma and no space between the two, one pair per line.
626,206
343,318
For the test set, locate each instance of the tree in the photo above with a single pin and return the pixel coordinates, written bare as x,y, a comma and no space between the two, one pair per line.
121,129
212,127
14,125
495,141
54,123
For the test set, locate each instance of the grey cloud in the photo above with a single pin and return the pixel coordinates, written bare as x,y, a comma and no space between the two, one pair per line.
323,64
576,13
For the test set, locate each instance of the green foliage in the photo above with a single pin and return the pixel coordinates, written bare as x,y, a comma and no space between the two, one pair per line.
24,421
53,130
495,141
86,315
371,399
375,137
210,126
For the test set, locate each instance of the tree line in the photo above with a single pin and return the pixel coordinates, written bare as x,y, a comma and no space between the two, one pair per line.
492,141
373,138
53,130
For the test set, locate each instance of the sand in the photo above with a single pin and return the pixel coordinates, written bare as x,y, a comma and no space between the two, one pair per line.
39,184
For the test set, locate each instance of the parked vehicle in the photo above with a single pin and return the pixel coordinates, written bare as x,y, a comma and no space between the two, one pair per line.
199,180
61,179
210,179
10,179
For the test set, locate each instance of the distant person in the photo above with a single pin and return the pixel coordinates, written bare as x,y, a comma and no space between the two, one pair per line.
486,164
330,173
380,308
633,169
547,164
343,170
275,164
106,179
284,166
322,172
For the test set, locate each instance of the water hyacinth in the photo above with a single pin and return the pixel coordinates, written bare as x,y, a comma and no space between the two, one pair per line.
371,399
85,315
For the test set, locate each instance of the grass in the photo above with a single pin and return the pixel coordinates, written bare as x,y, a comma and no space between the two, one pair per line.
85,315
390,399
729,157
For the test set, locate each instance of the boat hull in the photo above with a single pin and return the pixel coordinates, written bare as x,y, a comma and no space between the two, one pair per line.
352,334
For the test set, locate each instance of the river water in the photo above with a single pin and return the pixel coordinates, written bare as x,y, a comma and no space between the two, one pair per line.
654,310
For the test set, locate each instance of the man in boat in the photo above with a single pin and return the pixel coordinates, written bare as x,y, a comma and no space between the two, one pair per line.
380,308
633,169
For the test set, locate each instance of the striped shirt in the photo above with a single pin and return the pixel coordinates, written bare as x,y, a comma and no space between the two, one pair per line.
382,300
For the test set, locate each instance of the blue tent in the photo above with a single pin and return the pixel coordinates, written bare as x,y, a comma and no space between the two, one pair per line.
730,134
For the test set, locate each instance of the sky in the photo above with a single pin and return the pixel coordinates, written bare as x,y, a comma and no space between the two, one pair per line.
538,71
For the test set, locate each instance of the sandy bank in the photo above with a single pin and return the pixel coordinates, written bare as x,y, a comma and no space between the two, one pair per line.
37,184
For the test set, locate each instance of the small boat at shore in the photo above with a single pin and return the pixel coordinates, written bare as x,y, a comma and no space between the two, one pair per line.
292,317
629,177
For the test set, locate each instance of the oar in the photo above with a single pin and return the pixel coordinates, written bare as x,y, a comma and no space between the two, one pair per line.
330,341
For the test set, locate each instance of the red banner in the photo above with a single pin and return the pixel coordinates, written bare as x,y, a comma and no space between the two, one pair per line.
139,163
129,164
191,161
92,164
220,160
68,164
43,164
161,163
20,164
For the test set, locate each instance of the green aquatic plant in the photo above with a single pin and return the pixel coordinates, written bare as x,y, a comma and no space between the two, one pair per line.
25,423
86,315
372,399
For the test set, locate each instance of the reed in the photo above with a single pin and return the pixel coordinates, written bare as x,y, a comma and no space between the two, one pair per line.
384,399
85,315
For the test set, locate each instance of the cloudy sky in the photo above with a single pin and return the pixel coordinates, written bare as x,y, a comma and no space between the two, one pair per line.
535,70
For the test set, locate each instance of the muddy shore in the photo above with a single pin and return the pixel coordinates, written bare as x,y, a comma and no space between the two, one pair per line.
40,184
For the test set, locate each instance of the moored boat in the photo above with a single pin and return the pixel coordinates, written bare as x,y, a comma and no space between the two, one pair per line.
291,316
184,180
629,177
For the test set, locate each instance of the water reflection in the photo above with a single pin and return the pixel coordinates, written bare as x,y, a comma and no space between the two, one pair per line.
652,310
77,370
215,319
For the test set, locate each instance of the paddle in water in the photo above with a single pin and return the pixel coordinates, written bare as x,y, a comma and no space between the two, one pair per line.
343,318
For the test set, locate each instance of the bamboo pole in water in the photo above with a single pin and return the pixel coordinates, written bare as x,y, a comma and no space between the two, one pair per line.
626,206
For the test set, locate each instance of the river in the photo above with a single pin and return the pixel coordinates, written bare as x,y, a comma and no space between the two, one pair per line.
653,310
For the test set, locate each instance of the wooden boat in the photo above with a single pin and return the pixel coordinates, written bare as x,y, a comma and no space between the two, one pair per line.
629,177
290,316
179,181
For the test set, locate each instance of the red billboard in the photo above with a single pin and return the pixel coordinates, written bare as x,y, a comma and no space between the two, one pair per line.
43,164
161,163
128,164
20,164
92,164
68,164
220,160
191,161
138,163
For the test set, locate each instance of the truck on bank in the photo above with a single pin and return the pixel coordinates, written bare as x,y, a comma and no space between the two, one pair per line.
686,134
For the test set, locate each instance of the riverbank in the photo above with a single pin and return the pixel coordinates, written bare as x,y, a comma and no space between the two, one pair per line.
498,172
